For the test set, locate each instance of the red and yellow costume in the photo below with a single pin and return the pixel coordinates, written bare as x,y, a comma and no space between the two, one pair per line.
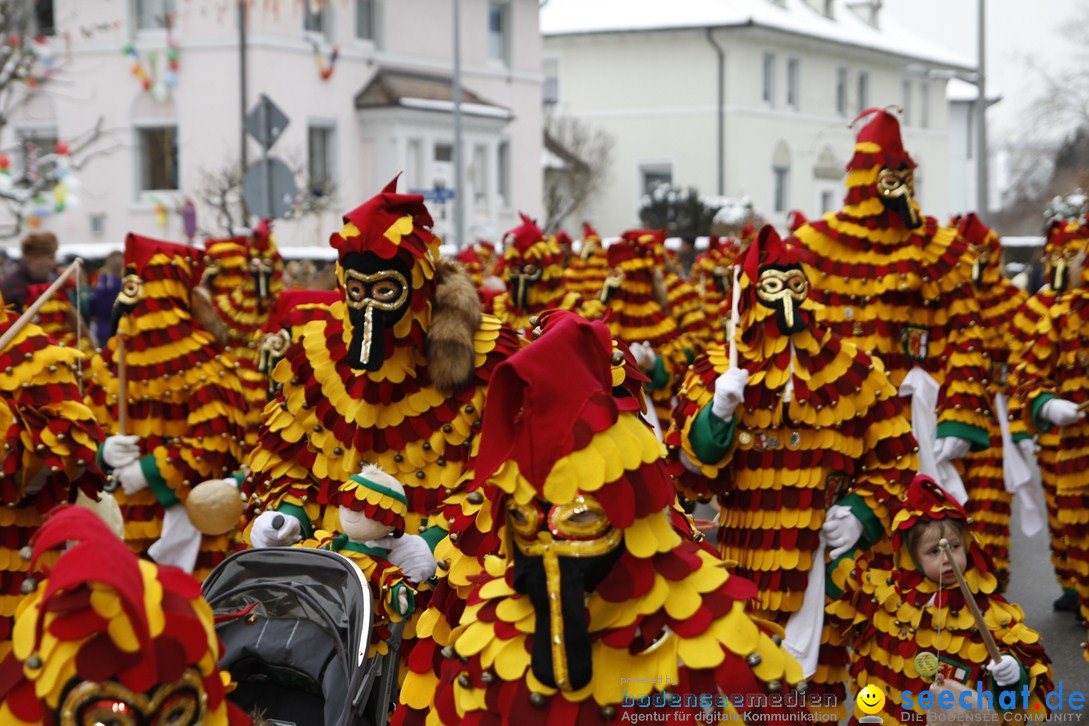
58,316
586,272
713,273
999,299
50,442
898,613
636,311
483,266
590,596
185,400
253,271
896,284
292,311
533,273
820,424
109,638
682,297
1055,364
395,375
1066,241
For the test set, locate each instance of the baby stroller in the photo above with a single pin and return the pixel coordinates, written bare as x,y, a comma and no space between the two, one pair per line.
295,625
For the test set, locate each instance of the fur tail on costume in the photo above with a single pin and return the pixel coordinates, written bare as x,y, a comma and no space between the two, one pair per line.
455,318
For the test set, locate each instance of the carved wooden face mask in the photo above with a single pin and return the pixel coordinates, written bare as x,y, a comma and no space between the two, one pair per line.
522,277
90,703
377,292
562,552
784,289
896,189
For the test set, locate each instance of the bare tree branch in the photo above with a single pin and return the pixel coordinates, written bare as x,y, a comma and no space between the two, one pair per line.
579,160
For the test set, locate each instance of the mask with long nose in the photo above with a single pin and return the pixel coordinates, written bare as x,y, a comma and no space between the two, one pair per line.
132,289
261,269
896,189
784,289
521,278
562,553
377,293
1066,268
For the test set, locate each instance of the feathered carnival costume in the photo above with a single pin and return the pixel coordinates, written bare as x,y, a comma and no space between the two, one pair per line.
1067,241
682,297
394,376
48,454
988,501
184,402
483,265
292,311
713,273
109,638
592,601
533,273
587,271
636,312
896,284
820,425
254,270
900,613
59,318
1055,365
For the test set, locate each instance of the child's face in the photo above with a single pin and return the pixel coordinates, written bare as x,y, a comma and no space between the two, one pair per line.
932,561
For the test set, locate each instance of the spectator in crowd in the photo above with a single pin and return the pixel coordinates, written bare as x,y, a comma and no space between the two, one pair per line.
104,293
38,264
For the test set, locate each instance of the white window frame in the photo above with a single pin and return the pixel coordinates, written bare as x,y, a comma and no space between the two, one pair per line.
794,84
842,82
907,90
554,99
780,182
328,30
651,166
27,131
862,87
767,92
169,7
328,127
924,104
503,173
375,38
506,11
139,126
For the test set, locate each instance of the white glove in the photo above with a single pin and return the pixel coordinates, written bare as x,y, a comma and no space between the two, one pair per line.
729,392
402,600
1028,449
644,356
411,553
131,477
1006,671
179,543
117,451
1060,412
950,448
841,529
272,529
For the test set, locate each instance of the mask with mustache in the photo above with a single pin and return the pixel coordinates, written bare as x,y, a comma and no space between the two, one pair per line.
784,289
522,278
896,191
261,269
377,293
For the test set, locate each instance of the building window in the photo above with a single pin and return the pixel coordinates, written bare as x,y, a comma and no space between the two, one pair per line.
158,158
444,153
769,79
43,18
152,14
924,104
829,8
35,143
782,185
499,31
413,157
318,19
828,198
320,158
652,176
793,88
503,162
907,102
863,91
841,91
550,89
478,173
366,20
98,223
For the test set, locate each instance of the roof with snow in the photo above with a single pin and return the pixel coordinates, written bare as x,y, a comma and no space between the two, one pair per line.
962,91
847,25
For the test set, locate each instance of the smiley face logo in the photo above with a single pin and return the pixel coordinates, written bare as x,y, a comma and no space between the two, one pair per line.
871,699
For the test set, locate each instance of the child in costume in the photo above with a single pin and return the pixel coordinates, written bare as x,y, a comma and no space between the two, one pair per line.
911,623
109,638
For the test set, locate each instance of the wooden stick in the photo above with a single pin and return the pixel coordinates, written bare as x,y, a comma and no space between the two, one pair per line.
735,305
970,601
31,311
122,388
1083,406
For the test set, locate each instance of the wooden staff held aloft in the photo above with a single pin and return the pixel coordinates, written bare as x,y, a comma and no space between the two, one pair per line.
735,304
970,600
31,311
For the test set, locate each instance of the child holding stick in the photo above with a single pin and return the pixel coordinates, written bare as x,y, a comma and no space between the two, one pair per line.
914,630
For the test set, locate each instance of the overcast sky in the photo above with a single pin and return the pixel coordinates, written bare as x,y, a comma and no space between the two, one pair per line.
1021,34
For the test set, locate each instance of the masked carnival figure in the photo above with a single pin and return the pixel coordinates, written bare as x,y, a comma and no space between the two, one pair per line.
59,317
586,272
898,285
183,409
394,376
682,296
106,638
483,265
50,442
293,310
913,633
533,274
803,443
592,605
1051,382
1064,258
713,274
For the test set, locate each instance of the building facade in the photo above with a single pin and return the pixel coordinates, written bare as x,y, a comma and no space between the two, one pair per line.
366,86
743,98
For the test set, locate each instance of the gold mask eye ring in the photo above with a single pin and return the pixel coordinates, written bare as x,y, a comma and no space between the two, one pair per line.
362,291
131,289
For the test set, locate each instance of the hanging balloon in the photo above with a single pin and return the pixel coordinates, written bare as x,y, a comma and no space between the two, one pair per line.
71,182
73,202
189,219
170,78
160,215
33,222
59,193
61,148
159,91
5,163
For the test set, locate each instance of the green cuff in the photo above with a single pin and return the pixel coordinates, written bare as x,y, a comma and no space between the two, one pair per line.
433,535
689,355
997,690
711,436
238,477
1020,436
977,436
394,599
294,510
832,591
1041,424
872,529
102,465
157,484
659,378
